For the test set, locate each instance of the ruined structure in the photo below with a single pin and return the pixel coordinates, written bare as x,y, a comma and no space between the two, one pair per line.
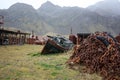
9,37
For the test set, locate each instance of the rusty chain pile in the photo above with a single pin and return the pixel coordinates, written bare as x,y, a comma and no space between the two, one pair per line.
118,38
99,53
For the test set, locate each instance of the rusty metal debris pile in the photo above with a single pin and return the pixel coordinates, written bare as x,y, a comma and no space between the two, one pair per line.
57,44
118,38
99,53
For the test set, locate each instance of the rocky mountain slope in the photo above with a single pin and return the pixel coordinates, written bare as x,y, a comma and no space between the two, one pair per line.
53,18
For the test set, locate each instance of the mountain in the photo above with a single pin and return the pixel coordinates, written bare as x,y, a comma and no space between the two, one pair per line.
79,19
53,18
106,8
24,17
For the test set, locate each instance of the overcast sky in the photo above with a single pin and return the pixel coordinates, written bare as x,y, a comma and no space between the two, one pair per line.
4,4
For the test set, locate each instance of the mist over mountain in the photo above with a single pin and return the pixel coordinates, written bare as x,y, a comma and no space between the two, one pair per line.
103,16
106,7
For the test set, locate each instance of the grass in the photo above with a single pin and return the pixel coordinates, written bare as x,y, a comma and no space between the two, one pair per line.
26,63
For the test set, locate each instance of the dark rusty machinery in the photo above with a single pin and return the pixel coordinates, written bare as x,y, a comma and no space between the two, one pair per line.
73,38
79,38
118,38
57,44
99,53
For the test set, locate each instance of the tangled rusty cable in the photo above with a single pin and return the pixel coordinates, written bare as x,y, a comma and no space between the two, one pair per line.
118,38
99,53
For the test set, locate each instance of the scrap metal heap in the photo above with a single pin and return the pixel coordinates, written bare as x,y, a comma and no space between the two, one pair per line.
118,38
99,53
57,44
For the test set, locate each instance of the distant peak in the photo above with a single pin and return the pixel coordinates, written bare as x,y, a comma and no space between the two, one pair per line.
22,5
48,3
111,0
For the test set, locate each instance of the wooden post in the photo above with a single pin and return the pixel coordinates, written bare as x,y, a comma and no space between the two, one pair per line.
2,38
